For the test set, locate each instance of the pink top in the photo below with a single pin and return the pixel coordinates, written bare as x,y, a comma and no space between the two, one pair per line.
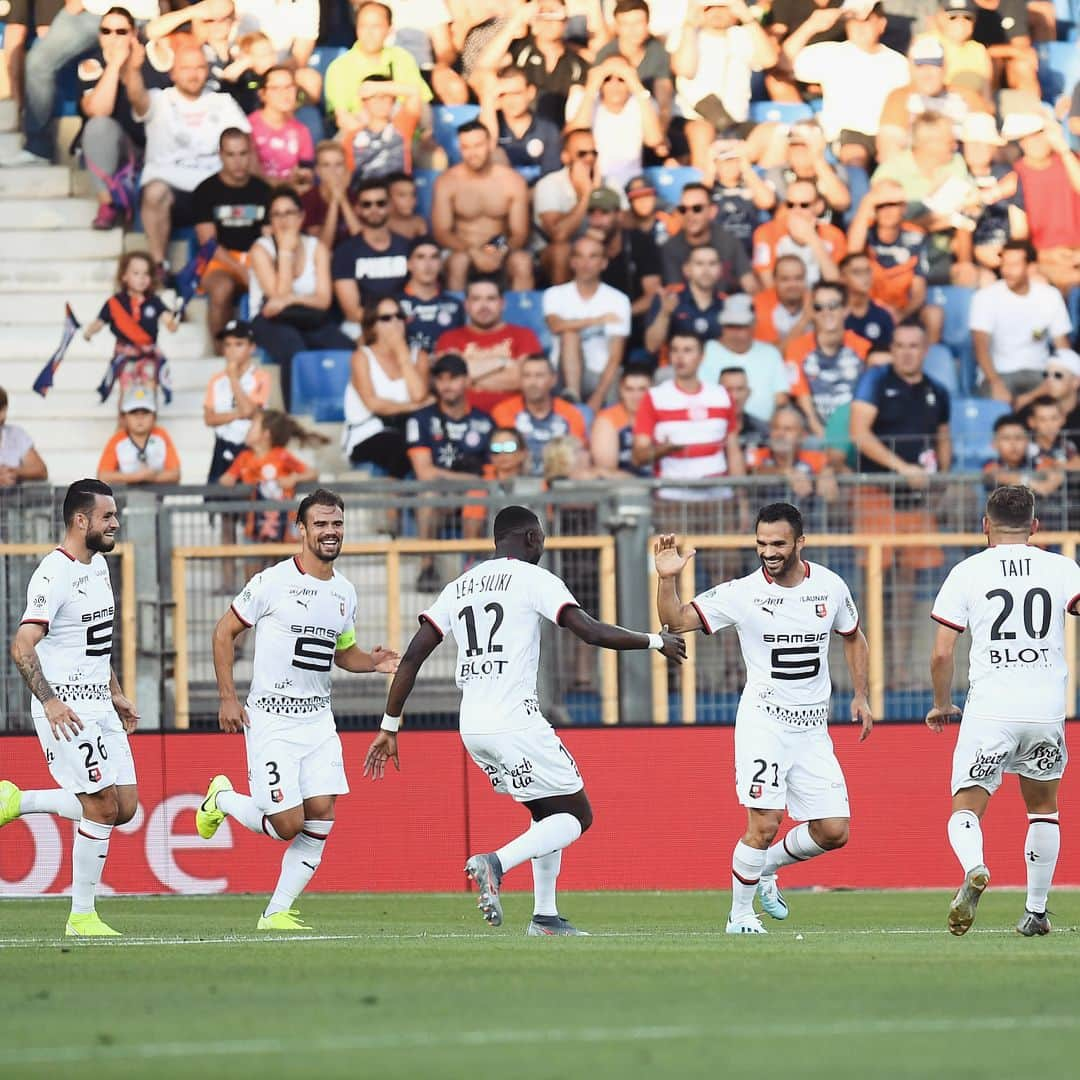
281,149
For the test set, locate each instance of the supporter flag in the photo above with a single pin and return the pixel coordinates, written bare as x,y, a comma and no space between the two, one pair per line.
43,383
187,281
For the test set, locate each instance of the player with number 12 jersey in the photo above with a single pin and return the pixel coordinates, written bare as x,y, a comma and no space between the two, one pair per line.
785,614
1013,598
304,615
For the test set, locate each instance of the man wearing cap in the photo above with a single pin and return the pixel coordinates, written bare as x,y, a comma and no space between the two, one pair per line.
446,441
1062,383
1014,324
140,452
1049,175
766,373
928,91
797,230
700,227
590,322
693,307
855,76
234,395
967,63
429,310
1002,26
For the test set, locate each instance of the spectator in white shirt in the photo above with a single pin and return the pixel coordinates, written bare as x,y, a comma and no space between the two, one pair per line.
183,129
590,322
1015,323
765,369
856,76
713,55
19,461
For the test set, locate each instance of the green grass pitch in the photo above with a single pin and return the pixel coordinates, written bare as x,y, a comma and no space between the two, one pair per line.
418,987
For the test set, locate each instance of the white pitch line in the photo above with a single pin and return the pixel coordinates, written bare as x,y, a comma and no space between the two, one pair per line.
308,1045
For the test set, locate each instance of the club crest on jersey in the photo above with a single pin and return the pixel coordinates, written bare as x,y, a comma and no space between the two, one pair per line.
821,610
276,795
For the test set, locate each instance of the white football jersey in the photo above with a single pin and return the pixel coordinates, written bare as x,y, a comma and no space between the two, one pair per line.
783,632
300,622
494,611
1013,598
74,602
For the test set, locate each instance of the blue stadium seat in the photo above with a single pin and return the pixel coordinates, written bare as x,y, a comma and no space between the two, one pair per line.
1072,302
956,300
527,309
940,365
319,380
446,120
425,189
858,185
1059,68
669,181
972,427
779,112
323,56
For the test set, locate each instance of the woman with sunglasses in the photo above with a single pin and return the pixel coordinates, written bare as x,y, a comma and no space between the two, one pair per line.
389,382
289,288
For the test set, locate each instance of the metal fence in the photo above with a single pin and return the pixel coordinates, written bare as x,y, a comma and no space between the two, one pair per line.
186,556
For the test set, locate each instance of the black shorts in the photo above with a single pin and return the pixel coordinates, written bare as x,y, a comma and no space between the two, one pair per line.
225,453
33,12
182,214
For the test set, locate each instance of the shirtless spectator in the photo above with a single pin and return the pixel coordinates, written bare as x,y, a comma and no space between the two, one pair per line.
404,218
480,214
493,350
783,312
328,210
561,202
372,264
183,128
797,230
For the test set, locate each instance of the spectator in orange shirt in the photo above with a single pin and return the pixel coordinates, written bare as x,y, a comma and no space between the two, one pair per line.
783,312
268,466
827,360
797,230
805,473
537,413
612,439
140,452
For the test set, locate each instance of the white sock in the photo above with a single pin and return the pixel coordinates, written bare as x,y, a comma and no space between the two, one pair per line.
1040,856
298,865
53,801
797,846
545,871
552,834
746,867
965,835
244,810
87,863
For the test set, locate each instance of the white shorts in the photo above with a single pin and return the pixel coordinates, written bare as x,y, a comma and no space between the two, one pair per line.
779,767
290,760
98,757
527,764
987,749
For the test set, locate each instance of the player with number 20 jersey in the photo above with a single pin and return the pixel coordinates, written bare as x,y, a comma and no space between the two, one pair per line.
1013,598
785,614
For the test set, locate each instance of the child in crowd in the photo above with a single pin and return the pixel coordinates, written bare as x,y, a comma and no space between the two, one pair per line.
254,56
1019,460
267,465
378,139
133,314
141,452
404,220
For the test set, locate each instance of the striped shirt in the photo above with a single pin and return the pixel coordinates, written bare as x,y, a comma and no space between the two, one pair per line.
697,423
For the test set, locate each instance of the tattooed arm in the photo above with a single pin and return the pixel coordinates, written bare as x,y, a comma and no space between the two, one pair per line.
62,720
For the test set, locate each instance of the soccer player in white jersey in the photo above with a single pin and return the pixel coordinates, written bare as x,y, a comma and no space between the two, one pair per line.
304,615
494,612
784,614
62,649
1013,598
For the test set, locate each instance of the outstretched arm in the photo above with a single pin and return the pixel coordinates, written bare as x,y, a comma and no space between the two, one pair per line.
676,615
356,660
607,636
942,663
384,746
857,654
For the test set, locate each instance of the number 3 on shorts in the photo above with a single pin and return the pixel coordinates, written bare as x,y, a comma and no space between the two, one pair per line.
273,776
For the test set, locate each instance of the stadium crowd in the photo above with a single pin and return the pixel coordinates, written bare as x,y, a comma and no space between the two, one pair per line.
579,239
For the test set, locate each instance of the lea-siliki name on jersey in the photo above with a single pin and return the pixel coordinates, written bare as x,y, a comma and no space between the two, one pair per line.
300,623
74,602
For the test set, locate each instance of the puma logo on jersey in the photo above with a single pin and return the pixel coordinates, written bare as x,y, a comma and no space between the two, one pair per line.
303,603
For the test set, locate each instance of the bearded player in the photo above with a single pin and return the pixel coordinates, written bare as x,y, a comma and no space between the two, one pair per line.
304,615
784,614
62,650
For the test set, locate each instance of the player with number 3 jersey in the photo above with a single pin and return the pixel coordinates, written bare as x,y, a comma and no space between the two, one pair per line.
785,614
63,650
304,615
495,612
1013,598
